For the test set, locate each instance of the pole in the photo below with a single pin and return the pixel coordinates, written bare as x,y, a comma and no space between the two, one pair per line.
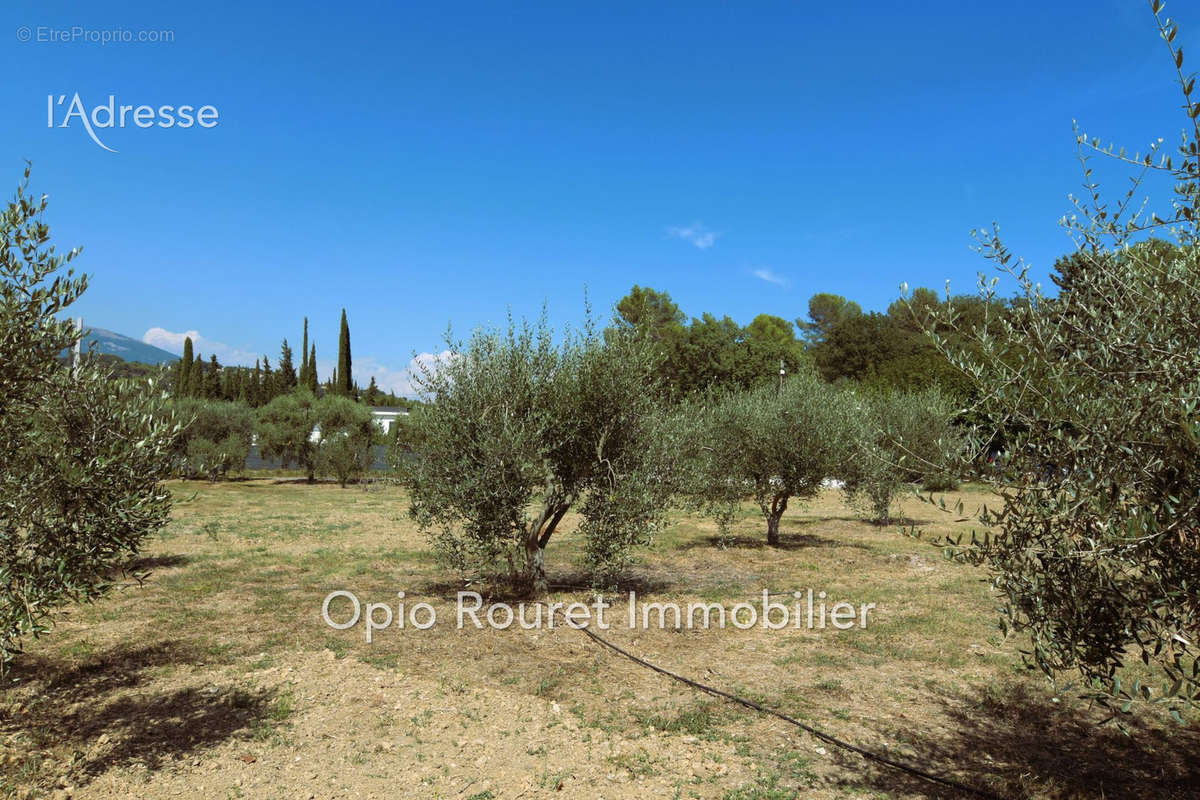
77,355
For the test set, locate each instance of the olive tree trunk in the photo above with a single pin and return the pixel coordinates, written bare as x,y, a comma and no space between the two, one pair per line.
773,511
535,566
538,536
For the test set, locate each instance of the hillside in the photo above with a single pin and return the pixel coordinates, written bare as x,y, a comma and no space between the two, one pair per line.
109,343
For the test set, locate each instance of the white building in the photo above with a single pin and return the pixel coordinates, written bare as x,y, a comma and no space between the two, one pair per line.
384,416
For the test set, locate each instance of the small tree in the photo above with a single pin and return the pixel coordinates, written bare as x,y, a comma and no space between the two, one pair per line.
513,418
81,455
773,443
285,430
904,438
347,431
1096,547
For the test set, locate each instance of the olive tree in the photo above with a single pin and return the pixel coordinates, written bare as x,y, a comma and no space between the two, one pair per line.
1096,546
346,434
517,431
285,430
904,439
217,436
81,454
773,443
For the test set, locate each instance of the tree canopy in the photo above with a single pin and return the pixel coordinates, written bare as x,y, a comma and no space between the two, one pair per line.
515,417
1096,546
81,455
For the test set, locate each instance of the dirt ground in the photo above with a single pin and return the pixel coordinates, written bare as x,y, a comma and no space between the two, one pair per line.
217,676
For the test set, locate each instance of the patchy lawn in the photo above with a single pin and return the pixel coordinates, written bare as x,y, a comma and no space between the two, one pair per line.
218,678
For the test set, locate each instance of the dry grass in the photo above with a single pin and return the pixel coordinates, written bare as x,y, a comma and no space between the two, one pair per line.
217,676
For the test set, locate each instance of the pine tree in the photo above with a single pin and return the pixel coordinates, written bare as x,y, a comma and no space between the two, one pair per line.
285,376
268,381
255,388
212,380
345,381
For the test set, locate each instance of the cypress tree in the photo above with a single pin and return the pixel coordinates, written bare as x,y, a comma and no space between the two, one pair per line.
304,355
185,369
311,382
345,382
195,387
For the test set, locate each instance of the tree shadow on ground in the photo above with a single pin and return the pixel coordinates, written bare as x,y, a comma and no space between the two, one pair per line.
502,590
147,563
787,541
898,522
1013,742
105,713
642,582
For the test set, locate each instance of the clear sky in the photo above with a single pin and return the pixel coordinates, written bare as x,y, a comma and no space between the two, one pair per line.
441,163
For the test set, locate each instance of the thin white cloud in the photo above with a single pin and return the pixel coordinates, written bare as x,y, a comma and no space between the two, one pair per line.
227,355
770,277
695,233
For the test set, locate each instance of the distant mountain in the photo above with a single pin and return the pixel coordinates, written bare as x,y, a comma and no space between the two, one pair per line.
102,341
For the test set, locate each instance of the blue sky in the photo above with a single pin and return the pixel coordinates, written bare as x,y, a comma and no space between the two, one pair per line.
441,163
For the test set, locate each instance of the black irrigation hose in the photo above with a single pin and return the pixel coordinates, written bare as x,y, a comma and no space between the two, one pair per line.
825,737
